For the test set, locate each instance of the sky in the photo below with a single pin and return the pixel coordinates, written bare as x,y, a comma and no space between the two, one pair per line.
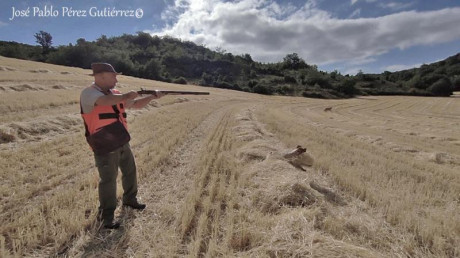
371,36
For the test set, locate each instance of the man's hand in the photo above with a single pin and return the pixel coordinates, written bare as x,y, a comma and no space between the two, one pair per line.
130,95
142,102
158,94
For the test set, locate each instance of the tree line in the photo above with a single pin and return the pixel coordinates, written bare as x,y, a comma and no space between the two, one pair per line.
173,60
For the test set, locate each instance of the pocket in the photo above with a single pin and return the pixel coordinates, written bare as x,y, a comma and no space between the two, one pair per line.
109,138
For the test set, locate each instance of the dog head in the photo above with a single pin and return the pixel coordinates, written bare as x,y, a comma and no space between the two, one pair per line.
300,150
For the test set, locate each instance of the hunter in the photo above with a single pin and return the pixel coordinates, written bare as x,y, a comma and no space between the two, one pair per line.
103,111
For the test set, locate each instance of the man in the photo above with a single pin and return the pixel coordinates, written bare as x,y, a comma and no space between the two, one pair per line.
103,112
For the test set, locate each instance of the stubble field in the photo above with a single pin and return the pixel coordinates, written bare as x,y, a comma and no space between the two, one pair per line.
385,180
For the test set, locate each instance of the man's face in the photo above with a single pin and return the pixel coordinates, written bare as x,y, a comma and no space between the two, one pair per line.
109,80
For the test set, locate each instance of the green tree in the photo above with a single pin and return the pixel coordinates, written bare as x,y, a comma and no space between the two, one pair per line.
293,61
151,70
44,39
248,58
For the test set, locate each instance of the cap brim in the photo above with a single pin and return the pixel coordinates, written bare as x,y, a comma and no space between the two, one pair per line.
92,74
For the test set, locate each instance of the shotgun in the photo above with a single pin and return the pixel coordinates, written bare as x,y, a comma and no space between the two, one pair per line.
172,92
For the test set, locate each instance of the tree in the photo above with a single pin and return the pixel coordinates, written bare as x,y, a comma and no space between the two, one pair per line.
293,61
44,39
151,70
248,58
142,39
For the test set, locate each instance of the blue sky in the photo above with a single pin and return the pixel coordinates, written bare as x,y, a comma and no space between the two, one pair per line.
344,35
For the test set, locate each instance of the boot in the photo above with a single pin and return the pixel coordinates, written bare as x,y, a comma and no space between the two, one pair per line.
135,205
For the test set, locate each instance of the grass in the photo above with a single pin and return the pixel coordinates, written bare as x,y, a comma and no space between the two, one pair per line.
384,181
407,192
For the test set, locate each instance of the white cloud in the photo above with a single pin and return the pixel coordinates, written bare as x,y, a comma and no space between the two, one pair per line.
356,13
400,67
269,31
367,1
352,71
396,6
361,61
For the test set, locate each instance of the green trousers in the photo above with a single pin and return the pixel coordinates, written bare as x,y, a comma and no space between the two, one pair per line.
107,166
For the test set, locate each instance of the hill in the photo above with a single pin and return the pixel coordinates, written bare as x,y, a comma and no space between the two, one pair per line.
211,169
172,60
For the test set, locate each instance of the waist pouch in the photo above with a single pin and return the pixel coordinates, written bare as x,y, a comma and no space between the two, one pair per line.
108,138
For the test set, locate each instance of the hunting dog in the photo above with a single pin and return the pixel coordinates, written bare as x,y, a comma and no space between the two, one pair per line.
298,158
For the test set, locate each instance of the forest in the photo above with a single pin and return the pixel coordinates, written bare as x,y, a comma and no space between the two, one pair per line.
173,60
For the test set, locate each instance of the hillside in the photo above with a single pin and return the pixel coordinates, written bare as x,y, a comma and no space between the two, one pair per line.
384,181
172,60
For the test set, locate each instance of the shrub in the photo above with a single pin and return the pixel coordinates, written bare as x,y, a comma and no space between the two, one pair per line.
289,79
180,80
314,94
442,87
262,89
207,79
252,84
347,87
456,83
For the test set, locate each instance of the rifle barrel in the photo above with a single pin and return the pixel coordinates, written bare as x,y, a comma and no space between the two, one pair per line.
173,92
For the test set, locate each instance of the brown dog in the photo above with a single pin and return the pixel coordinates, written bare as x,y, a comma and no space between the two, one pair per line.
295,153
299,158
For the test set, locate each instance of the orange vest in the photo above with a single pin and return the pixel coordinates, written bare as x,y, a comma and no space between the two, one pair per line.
102,116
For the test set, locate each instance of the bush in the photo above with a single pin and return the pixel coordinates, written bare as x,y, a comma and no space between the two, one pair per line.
456,83
252,84
207,79
347,87
289,79
262,89
284,90
313,94
443,87
223,85
317,78
180,80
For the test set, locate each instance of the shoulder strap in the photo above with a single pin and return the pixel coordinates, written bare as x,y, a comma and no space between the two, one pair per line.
86,126
117,111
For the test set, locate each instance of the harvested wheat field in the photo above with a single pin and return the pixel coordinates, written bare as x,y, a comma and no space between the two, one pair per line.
385,181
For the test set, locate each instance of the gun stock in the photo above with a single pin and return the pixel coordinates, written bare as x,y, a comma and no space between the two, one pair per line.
172,92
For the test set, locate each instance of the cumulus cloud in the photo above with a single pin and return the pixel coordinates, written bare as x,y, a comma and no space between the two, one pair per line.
268,30
399,67
356,13
367,1
396,6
